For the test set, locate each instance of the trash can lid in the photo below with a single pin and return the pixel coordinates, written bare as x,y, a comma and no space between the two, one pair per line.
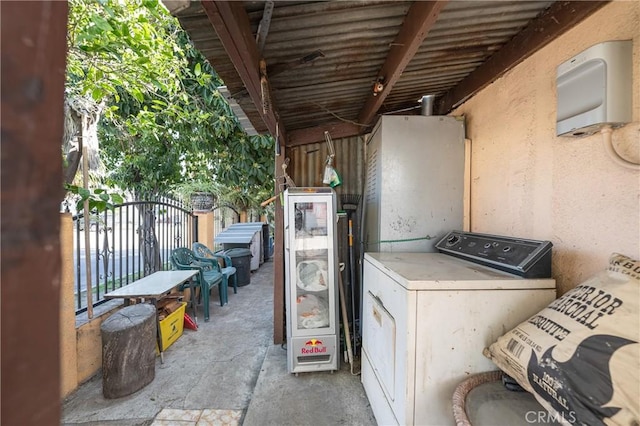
238,236
237,252
254,226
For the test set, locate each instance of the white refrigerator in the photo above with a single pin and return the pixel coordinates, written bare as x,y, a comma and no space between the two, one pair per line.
311,279
415,182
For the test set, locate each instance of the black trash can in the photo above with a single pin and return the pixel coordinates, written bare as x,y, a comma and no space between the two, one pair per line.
241,259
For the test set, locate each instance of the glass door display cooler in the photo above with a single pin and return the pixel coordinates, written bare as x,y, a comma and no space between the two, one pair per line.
311,279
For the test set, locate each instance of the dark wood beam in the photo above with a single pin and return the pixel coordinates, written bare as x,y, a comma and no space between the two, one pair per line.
33,45
337,129
231,23
420,18
560,17
279,298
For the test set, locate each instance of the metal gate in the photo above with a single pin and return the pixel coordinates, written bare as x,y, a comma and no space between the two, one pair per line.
131,241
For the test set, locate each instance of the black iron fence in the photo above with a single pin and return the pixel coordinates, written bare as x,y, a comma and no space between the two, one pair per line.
131,241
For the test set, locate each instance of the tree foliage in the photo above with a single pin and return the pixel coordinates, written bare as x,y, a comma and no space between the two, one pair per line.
124,45
165,121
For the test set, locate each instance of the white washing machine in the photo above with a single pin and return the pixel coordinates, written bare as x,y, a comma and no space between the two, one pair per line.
428,316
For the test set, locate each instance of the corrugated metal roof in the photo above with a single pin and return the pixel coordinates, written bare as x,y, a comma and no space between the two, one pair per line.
464,36
350,42
355,39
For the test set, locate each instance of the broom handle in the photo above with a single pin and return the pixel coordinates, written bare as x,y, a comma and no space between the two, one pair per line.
345,321
352,279
270,200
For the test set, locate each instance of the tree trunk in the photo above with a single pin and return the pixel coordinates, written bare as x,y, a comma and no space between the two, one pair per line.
73,162
128,350
149,246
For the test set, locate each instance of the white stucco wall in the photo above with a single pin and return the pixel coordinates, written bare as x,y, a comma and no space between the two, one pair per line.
527,182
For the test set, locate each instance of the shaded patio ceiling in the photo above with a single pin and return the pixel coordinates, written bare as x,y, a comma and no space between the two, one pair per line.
297,69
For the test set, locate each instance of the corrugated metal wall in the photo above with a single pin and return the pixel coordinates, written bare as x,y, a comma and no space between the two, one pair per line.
307,163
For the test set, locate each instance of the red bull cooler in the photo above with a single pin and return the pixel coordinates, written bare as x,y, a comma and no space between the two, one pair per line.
311,279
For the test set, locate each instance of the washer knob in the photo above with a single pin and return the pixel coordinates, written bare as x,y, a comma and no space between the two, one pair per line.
453,240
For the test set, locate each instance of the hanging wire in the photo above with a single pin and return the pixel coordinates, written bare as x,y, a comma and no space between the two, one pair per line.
327,138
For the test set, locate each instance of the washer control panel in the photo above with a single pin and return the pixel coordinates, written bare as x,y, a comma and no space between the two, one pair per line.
523,257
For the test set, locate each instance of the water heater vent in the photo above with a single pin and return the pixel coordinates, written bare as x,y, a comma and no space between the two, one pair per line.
594,89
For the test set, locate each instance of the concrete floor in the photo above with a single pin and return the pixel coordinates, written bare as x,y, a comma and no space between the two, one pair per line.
229,372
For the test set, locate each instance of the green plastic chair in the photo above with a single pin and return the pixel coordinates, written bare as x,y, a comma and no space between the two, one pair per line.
208,277
229,271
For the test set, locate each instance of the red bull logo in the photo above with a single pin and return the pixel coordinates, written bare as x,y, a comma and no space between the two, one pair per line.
313,346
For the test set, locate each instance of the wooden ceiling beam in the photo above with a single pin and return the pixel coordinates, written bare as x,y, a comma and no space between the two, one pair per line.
337,129
231,23
420,18
560,17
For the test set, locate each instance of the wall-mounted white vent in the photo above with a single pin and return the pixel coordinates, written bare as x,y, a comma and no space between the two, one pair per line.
594,89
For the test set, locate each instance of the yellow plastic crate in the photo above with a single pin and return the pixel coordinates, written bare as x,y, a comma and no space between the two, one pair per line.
171,327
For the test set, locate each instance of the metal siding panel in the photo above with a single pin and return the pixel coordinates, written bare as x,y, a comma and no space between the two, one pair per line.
308,162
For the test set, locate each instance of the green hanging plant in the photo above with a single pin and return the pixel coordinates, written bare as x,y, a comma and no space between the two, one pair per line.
198,188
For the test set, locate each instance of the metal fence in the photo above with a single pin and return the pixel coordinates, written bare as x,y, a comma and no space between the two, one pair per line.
131,241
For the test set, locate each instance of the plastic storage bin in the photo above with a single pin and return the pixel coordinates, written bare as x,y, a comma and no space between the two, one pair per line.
241,259
244,235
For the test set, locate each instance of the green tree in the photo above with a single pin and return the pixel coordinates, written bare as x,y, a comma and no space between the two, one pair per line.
121,45
164,121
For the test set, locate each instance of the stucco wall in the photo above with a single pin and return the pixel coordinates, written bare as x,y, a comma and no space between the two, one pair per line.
527,182
68,358
206,228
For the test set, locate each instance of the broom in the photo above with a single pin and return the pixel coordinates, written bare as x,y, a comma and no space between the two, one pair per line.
350,205
345,318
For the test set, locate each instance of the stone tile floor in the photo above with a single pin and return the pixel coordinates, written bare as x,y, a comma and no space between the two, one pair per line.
206,417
